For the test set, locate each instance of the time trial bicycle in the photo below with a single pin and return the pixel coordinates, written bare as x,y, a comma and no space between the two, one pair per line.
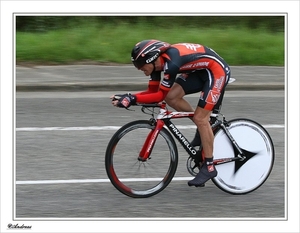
142,157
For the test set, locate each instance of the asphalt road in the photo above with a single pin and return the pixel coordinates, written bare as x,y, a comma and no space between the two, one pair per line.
61,139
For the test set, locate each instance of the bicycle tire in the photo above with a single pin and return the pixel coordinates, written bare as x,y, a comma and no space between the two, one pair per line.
135,178
242,177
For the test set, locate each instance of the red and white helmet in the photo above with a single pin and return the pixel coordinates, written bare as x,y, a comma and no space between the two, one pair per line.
147,51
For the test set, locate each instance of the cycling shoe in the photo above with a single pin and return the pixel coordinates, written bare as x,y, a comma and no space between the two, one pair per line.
206,173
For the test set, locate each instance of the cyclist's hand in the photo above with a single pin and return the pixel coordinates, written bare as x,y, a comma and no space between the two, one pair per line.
123,101
115,99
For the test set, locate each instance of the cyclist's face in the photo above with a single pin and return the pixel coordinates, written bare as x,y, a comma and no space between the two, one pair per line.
147,69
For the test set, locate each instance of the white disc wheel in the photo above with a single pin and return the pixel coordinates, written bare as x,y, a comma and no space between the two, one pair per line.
241,177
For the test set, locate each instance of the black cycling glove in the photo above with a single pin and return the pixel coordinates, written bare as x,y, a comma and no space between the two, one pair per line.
126,100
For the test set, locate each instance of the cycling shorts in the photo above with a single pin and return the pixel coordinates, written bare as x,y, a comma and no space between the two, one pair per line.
211,86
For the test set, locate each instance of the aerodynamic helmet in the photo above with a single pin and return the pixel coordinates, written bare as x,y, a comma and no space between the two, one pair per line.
147,51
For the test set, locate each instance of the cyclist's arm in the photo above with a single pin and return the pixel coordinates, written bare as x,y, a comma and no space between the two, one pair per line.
160,94
153,83
152,97
152,87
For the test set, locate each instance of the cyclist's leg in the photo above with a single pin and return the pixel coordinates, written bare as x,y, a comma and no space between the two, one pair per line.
207,171
201,119
210,98
186,84
175,99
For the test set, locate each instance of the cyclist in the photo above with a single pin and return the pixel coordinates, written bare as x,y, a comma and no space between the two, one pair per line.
187,68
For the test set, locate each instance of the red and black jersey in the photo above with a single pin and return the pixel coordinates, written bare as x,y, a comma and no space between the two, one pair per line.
180,58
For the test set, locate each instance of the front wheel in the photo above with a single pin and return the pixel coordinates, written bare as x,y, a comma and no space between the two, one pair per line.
241,177
133,177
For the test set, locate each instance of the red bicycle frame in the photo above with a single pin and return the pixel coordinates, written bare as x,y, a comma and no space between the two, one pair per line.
163,116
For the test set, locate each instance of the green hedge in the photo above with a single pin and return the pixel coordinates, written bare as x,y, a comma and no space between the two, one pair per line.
62,40
46,23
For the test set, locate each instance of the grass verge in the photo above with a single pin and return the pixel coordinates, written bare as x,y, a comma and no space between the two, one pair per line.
113,43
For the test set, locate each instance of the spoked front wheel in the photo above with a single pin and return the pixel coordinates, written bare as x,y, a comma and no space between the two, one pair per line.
137,178
241,177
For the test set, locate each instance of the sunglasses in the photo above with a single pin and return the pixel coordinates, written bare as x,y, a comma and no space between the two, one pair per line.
139,64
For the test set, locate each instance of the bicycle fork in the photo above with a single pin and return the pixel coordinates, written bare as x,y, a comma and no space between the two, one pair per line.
150,141
152,136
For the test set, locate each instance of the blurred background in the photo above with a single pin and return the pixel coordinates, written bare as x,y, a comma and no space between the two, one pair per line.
240,40
61,136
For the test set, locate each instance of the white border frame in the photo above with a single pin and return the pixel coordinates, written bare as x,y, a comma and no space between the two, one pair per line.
8,8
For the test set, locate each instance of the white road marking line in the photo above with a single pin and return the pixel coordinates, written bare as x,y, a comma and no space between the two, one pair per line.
32,182
28,182
90,128
67,128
